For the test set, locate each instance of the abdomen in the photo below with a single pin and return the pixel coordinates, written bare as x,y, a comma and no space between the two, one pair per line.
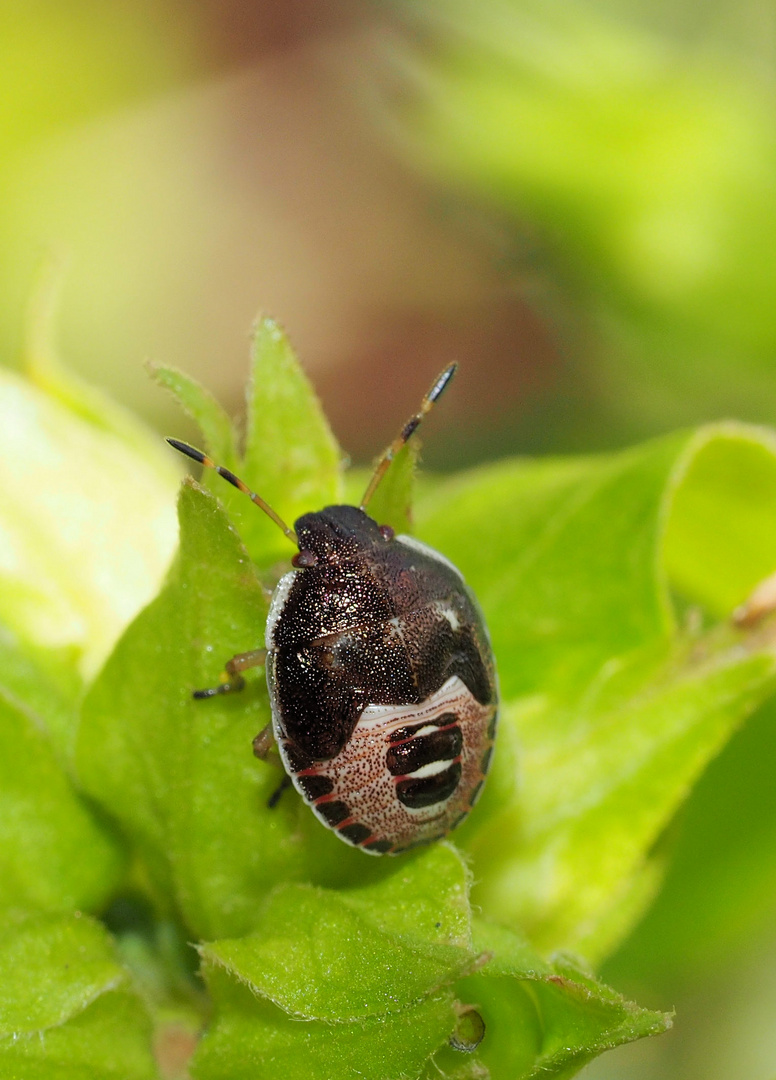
408,774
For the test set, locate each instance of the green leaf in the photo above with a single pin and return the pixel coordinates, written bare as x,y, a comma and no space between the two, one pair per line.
41,952
616,694
291,457
563,558
367,969
319,959
342,961
251,1037
67,1010
718,542
345,956
44,681
392,502
591,807
202,407
541,1019
179,774
425,896
610,711
719,890
54,854
288,440
72,573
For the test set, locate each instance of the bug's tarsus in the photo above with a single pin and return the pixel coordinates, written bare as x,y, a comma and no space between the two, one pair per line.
232,679
237,683
235,481
274,798
407,432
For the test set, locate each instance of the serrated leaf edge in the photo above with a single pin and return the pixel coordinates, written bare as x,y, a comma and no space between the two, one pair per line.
473,964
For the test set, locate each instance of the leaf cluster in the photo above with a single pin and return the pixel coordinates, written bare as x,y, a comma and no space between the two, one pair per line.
607,584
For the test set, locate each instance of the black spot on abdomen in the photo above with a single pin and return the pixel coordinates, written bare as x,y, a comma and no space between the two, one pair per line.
356,832
381,846
417,793
414,753
409,732
314,787
334,811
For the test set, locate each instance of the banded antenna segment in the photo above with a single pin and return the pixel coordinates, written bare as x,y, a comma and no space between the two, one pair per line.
407,432
235,481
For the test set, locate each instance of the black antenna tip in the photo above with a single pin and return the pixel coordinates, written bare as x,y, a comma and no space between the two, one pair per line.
189,451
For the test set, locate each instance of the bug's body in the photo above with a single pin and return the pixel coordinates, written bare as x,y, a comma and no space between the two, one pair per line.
380,673
382,683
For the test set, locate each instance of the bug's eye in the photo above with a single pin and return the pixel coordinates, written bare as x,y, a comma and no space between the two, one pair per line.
304,558
387,532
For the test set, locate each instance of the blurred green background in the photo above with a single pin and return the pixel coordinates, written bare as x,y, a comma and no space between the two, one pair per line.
575,200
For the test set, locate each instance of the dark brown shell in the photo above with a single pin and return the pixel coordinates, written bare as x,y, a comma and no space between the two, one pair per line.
382,683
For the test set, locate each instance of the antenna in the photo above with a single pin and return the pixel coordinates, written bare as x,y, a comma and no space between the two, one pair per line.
407,432
235,481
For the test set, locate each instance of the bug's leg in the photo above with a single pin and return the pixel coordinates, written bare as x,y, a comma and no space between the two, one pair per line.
263,745
232,679
274,798
264,742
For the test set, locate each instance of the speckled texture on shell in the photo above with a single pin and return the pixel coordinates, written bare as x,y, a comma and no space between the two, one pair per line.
382,633
362,781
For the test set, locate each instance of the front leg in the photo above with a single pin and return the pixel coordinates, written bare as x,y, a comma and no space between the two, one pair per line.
231,678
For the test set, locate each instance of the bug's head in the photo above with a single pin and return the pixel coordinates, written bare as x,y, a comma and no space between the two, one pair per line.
336,534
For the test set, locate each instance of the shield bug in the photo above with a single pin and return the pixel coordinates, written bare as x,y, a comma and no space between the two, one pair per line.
380,672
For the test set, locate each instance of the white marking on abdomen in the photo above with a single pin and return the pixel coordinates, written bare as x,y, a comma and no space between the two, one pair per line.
427,730
436,704
431,769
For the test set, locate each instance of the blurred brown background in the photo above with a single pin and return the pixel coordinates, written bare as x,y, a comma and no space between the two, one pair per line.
246,162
